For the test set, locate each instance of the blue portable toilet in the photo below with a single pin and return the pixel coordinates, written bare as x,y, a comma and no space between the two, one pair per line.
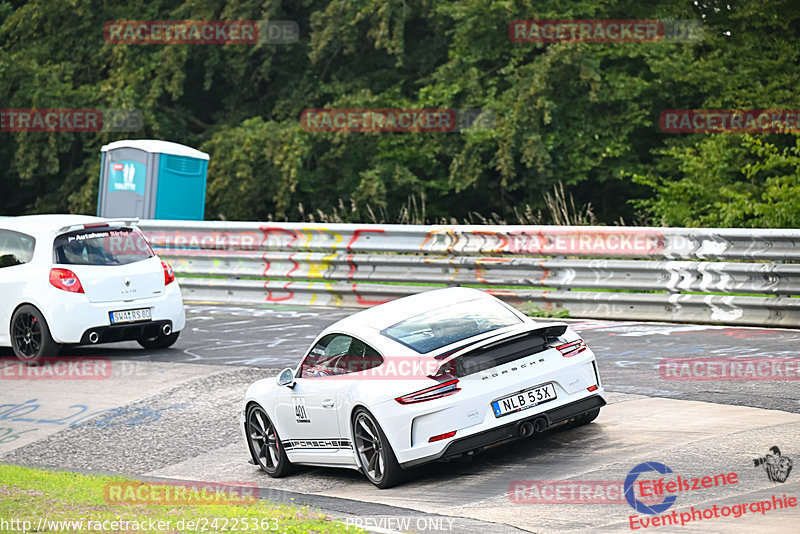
152,179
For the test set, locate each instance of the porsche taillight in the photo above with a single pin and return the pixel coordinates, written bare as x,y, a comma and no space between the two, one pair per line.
65,280
434,392
572,348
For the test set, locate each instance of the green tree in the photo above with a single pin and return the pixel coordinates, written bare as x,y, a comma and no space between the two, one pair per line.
749,60
584,115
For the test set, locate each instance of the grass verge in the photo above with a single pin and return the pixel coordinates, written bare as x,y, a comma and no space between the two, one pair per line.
35,500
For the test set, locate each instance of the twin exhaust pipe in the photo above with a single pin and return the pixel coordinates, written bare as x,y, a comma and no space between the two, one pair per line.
94,337
527,429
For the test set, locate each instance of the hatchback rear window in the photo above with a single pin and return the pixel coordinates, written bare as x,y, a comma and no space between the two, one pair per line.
97,246
15,248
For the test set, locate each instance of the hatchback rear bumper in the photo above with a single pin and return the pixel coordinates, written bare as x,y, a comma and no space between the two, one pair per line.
125,332
71,317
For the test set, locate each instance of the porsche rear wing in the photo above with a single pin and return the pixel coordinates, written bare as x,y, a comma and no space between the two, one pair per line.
503,348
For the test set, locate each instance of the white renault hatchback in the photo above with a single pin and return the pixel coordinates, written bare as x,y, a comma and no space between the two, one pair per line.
81,280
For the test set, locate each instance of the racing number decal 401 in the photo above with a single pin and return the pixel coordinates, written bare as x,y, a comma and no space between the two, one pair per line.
300,412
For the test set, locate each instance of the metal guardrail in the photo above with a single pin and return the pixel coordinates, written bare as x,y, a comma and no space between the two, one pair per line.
666,274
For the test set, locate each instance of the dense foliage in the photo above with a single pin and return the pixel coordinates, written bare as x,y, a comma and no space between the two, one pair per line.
581,114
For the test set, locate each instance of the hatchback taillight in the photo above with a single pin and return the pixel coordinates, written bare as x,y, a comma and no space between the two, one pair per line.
434,392
572,348
65,280
169,275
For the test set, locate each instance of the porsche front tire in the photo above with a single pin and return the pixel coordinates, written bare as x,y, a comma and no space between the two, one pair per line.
265,445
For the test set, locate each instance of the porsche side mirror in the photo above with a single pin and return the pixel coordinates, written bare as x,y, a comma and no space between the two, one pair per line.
286,378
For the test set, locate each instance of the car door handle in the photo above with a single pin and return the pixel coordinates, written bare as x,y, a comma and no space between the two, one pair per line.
327,403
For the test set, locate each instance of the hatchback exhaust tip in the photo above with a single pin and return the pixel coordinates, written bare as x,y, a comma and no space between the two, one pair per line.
93,337
166,329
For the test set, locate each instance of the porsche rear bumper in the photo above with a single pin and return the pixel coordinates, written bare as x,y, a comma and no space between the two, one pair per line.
510,430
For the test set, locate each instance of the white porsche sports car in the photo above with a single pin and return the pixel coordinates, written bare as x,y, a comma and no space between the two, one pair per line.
76,279
431,376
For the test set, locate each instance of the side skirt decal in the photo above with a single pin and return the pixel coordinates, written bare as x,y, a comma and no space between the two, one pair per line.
316,444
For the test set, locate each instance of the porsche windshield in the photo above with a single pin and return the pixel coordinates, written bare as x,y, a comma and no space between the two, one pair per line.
438,328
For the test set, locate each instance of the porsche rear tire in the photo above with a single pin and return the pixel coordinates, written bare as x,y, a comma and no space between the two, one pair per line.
375,454
265,445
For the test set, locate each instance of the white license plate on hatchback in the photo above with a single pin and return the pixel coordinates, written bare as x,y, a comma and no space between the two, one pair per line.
527,398
129,316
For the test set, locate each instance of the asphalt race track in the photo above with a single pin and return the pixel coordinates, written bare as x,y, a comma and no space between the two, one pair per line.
173,414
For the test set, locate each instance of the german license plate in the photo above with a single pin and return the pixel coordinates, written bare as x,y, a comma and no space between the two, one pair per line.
129,316
527,398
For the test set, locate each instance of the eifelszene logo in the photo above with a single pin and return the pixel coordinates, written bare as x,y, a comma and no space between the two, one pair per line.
630,495
649,488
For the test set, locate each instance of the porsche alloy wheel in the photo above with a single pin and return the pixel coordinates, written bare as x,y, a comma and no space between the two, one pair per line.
374,453
265,444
